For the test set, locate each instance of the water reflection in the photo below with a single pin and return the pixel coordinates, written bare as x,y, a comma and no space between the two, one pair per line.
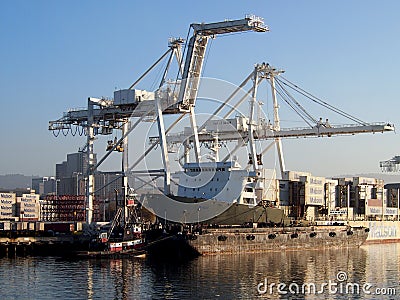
223,277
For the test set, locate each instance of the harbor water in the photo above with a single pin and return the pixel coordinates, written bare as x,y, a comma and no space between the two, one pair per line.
368,272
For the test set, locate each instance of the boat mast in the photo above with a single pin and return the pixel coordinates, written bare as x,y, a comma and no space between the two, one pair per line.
125,165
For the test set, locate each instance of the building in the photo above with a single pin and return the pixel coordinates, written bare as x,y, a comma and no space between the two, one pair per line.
70,174
44,185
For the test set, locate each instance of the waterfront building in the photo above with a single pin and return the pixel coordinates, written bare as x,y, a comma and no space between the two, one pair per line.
71,191
70,174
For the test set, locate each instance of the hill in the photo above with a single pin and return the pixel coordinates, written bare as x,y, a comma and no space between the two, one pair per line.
14,181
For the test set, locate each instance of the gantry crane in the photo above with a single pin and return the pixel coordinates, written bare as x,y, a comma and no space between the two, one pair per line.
391,165
102,116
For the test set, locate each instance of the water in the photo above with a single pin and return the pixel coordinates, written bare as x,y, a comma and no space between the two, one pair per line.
213,277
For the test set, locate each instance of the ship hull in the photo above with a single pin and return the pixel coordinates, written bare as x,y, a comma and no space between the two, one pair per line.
197,210
253,240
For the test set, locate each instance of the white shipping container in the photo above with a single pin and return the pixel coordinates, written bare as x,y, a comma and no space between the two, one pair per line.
364,180
294,175
29,207
6,207
34,197
79,226
40,226
7,226
7,198
29,215
26,200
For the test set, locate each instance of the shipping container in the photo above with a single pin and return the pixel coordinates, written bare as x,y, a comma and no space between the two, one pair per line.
7,198
364,180
79,226
63,227
40,226
7,226
294,175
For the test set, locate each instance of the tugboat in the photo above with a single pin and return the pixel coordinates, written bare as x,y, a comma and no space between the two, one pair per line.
122,238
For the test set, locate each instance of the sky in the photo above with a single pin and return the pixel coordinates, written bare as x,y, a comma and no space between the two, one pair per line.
56,54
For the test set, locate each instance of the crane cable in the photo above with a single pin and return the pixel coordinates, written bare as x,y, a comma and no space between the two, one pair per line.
311,118
56,134
288,102
320,101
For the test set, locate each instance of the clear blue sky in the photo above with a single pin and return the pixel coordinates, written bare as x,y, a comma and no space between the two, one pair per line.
55,54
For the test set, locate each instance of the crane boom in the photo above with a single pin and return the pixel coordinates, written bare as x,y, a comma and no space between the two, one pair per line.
197,47
236,129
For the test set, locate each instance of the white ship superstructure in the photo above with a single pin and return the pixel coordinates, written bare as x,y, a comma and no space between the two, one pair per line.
223,181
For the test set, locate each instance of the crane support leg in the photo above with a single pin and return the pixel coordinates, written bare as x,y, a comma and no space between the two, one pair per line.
164,149
90,171
253,153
